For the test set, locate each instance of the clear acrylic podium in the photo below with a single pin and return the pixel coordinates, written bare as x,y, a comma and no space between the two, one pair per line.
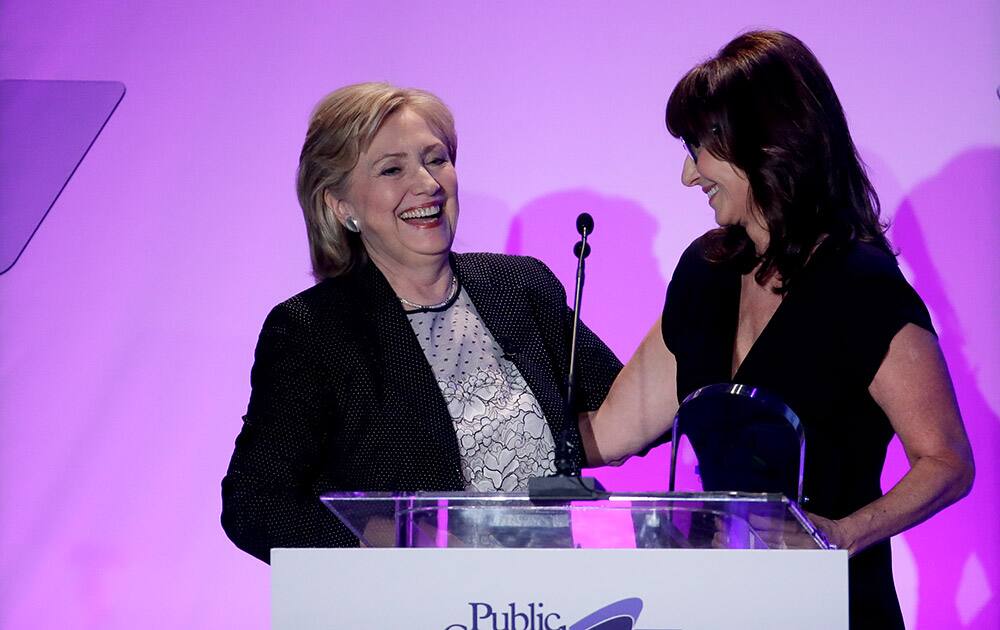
470,561
714,520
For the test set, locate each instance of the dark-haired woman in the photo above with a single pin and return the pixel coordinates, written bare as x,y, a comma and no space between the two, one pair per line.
798,292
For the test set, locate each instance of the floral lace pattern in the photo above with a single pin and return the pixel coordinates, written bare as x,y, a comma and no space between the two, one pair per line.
502,434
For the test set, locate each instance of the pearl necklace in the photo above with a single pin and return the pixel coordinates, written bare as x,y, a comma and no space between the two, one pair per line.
451,296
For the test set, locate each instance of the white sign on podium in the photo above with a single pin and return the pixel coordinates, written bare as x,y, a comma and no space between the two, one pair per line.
559,589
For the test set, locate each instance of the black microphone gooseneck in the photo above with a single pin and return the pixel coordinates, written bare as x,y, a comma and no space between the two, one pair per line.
565,462
567,484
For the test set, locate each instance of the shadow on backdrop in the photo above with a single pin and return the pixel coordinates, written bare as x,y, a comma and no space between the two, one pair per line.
948,234
623,295
624,291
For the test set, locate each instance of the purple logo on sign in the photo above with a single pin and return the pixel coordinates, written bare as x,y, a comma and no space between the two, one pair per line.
621,615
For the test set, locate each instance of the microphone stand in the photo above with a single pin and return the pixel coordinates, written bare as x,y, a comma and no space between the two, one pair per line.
567,484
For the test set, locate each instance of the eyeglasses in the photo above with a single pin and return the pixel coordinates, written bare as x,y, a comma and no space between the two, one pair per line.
693,146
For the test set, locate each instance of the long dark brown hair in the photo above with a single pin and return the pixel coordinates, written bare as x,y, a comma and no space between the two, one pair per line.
765,104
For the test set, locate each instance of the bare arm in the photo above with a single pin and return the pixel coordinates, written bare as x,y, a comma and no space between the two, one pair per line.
913,388
639,408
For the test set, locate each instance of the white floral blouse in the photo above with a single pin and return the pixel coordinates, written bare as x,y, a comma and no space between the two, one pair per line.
503,437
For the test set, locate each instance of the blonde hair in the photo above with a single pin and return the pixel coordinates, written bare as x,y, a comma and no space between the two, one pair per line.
341,128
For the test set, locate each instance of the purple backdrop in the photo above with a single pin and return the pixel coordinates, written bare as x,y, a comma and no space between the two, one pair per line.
127,327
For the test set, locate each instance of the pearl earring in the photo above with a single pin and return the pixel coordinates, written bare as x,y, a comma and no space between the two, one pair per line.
352,224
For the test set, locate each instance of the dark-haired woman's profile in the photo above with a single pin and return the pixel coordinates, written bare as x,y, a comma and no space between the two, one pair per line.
798,292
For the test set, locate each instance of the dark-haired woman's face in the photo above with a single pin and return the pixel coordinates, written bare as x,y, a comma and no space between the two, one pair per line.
726,187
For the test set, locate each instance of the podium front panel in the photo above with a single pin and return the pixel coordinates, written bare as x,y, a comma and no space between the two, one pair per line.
559,589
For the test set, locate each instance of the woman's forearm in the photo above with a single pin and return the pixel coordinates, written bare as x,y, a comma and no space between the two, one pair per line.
932,484
914,390
639,408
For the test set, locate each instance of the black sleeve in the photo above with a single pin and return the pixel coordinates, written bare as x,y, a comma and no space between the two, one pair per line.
269,493
596,365
691,276
878,302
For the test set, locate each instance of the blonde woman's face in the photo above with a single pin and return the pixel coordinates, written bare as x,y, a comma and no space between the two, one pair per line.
404,193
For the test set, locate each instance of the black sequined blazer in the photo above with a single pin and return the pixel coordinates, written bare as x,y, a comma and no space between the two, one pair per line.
343,398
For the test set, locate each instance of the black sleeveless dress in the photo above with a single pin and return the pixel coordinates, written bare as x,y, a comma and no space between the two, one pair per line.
819,353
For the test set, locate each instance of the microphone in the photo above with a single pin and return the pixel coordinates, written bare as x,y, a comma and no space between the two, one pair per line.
567,484
585,227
